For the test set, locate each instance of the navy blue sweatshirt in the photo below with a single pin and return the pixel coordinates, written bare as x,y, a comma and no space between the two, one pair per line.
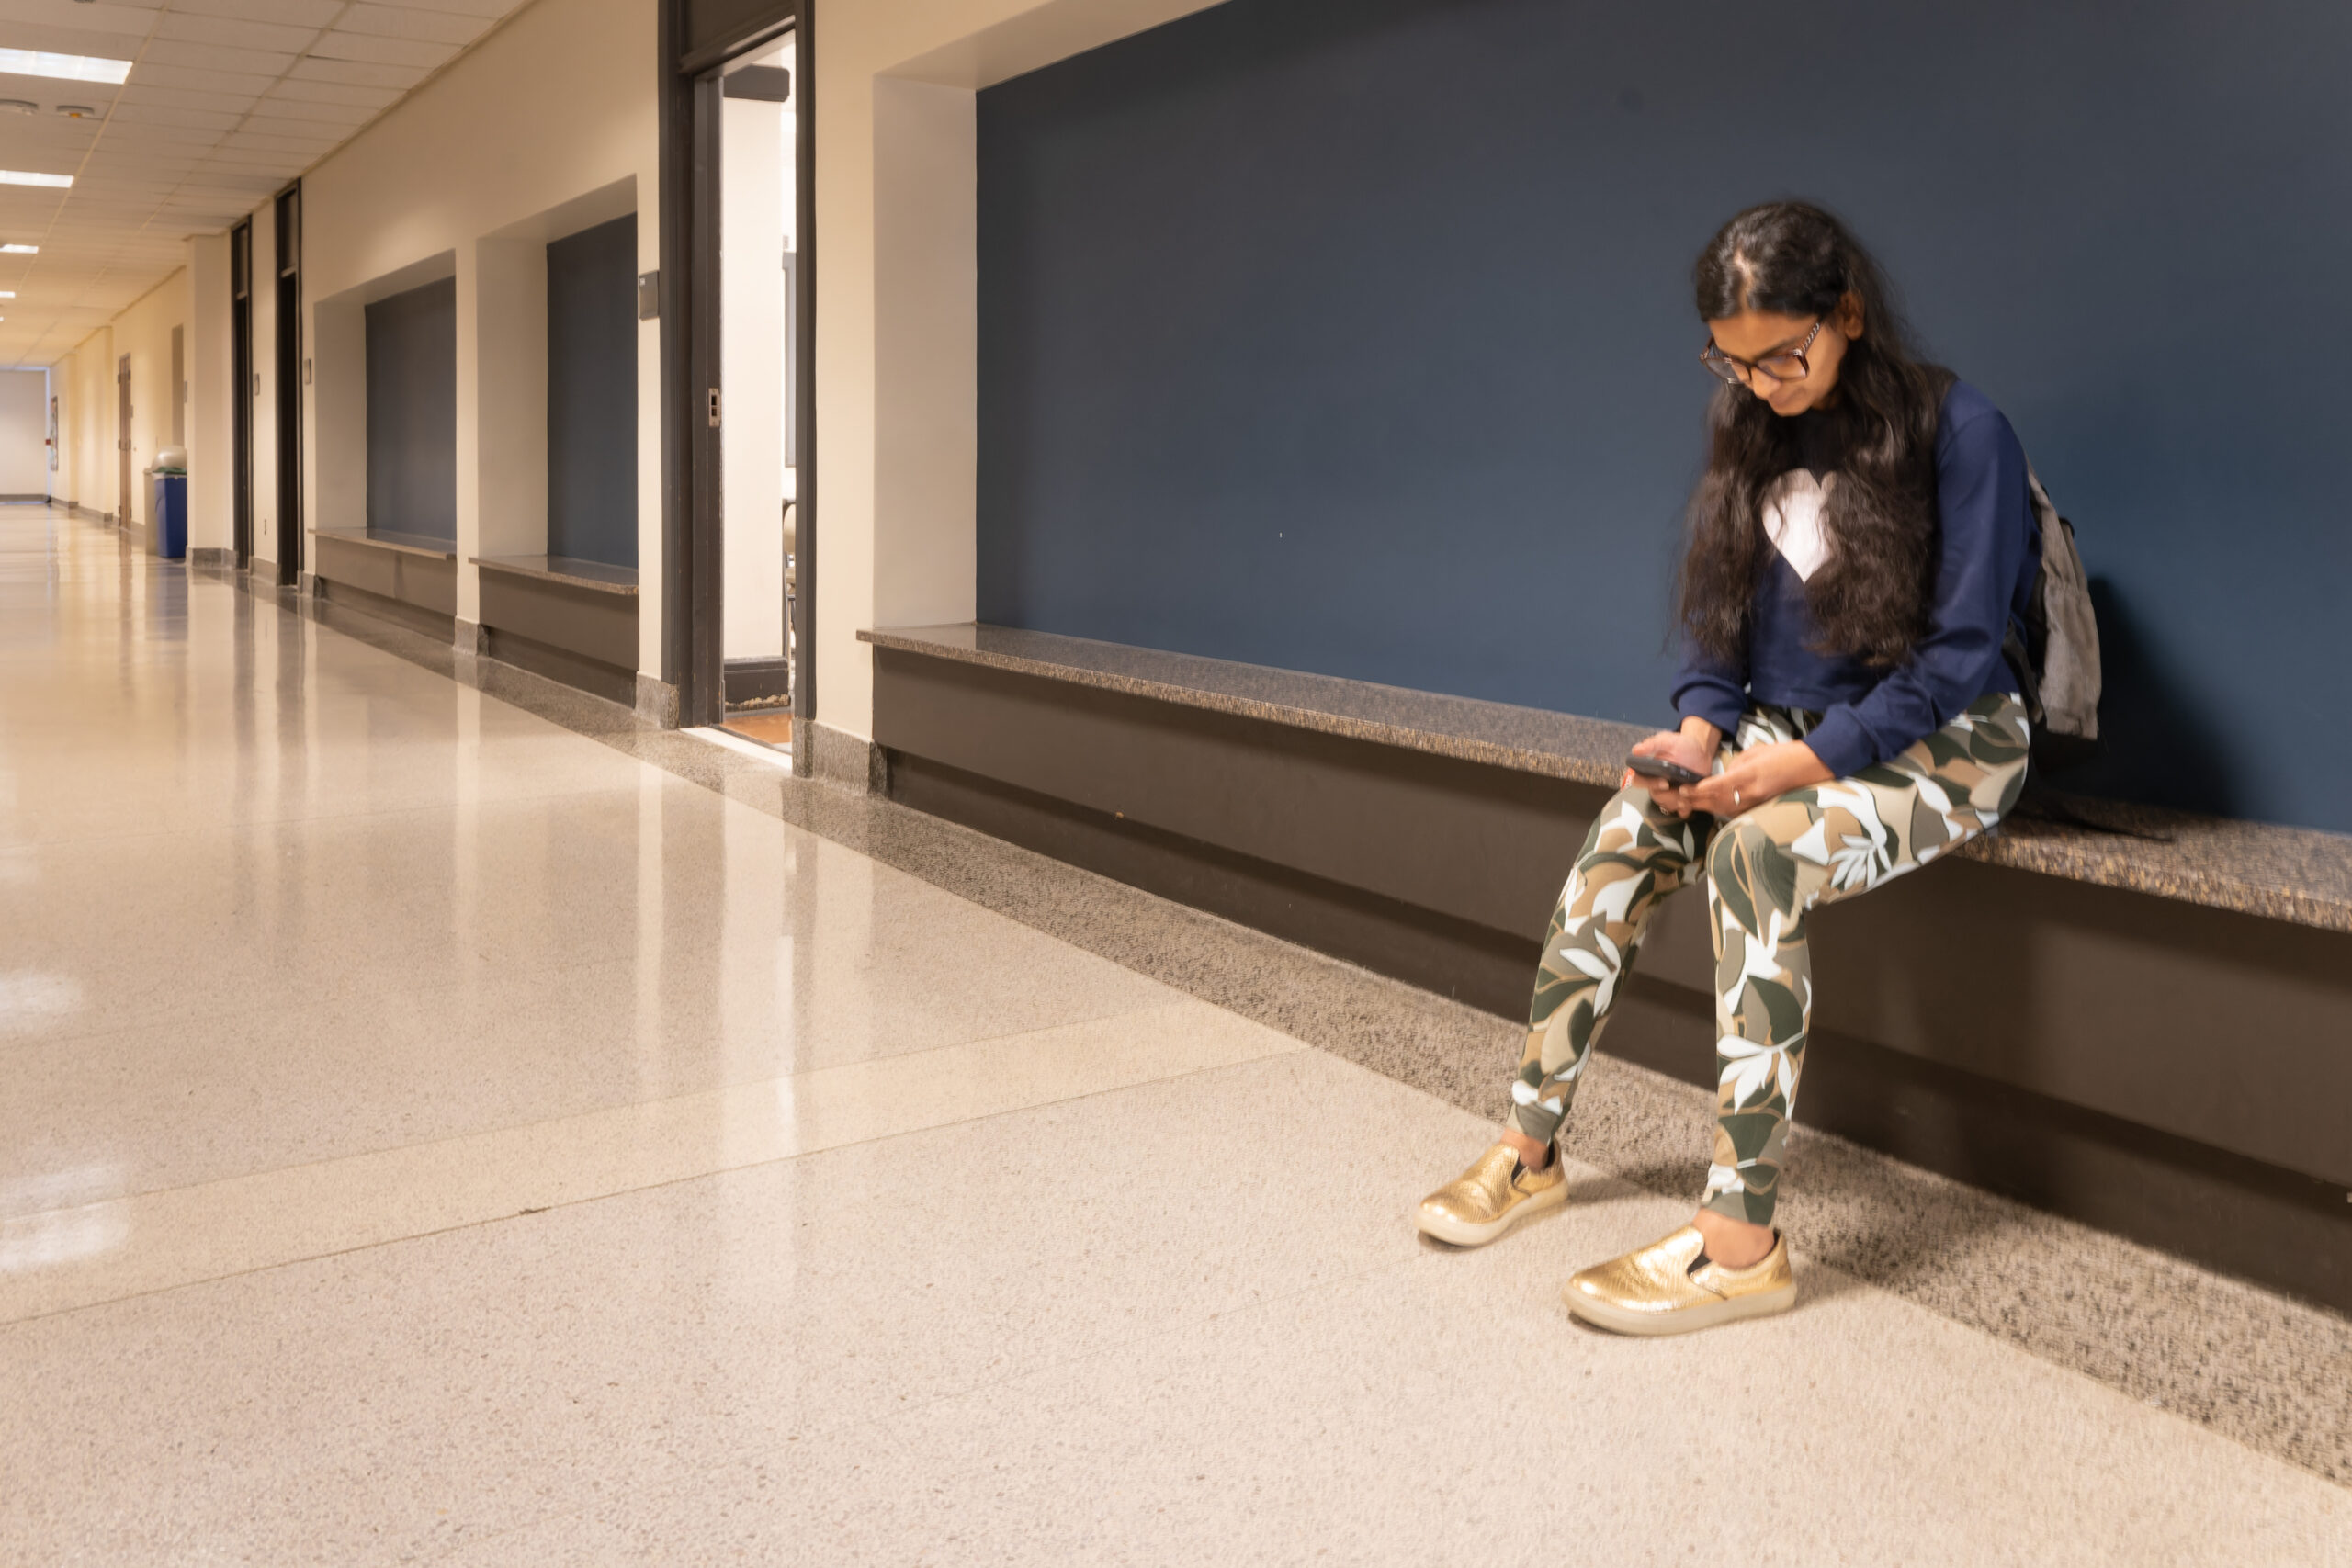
1990,546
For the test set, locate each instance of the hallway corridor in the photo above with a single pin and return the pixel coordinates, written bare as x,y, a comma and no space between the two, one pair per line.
435,1133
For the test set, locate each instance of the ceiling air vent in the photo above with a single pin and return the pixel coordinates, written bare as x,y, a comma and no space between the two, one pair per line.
77,111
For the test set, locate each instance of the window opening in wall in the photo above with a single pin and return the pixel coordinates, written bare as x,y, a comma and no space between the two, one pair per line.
754,418
241,405
591,397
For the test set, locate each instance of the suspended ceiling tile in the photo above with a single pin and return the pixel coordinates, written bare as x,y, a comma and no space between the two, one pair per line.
203,79
308,146
342,45
217,57
360,72
295,89
493,9
74,17
289,13
235,34
165,114
102,42
263,123
231,155
186,98
394,21
128,135
348,116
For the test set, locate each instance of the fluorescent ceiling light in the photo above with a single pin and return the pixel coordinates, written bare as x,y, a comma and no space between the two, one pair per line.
19,177
66,67
8,294
19,250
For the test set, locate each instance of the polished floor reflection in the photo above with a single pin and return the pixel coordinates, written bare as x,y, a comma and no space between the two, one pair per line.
432,1135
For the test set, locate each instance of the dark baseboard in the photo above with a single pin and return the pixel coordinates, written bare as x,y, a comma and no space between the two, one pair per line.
758,680
1487,969
592,676
2278,1227
431,623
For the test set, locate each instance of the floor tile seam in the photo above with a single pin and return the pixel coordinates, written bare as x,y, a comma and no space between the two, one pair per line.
711,1174
243,824
509,1129
146,1020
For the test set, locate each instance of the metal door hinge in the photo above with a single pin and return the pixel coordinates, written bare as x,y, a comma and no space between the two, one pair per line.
714,408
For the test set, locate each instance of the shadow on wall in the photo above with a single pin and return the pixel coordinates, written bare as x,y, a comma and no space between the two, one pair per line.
2160,748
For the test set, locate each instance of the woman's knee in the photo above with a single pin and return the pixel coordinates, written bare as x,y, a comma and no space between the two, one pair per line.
1737,843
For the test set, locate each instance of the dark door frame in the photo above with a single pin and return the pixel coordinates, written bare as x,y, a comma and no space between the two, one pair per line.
241,406
289,258
696,44
122,440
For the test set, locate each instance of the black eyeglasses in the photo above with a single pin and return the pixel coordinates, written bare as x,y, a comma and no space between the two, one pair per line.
1786,365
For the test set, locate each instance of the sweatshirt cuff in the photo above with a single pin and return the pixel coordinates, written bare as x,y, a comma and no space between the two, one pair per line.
1844,746
1718,707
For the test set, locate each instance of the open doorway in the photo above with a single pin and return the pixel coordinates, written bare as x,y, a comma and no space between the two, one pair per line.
289,386
122,514
241,406
757,470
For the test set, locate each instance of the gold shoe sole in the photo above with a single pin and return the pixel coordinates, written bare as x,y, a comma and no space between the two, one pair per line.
1461,1233
1684,1320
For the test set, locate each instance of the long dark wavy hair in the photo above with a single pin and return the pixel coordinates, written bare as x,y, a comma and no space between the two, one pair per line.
1870,595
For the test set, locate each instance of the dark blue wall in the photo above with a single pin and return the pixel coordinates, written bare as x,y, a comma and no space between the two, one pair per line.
412,411
1356,338
591,394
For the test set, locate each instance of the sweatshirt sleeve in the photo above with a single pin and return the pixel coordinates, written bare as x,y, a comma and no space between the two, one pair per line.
1710,688
1986,534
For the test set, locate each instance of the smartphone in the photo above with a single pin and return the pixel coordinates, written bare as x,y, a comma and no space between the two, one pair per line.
1659,768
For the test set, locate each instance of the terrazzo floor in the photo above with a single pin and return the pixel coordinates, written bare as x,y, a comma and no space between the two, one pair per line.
442,1132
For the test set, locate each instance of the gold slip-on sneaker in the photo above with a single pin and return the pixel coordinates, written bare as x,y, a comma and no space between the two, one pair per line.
1664,1288
1490,1197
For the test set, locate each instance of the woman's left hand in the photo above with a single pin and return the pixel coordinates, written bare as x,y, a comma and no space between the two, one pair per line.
1754,776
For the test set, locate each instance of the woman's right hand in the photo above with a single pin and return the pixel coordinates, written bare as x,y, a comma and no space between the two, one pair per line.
1694,746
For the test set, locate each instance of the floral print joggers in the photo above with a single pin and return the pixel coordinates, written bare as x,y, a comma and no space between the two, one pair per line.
1764,870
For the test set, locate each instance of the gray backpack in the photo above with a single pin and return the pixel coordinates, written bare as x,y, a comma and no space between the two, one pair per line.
2056,660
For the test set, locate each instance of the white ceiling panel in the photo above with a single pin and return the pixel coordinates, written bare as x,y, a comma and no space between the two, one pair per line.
349,116
149,74
168,114
85,40
135,134
359,72
289,13
186,98
99,16
216,57
341,45
490,8
294,88
275,142
395,21
236,33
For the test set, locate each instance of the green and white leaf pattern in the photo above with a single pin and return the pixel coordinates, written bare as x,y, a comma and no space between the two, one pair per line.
1765,871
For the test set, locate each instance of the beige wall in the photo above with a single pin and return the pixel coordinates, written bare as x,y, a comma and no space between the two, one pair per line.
24,433
548,125
210,525
84,381
91,399
897,355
